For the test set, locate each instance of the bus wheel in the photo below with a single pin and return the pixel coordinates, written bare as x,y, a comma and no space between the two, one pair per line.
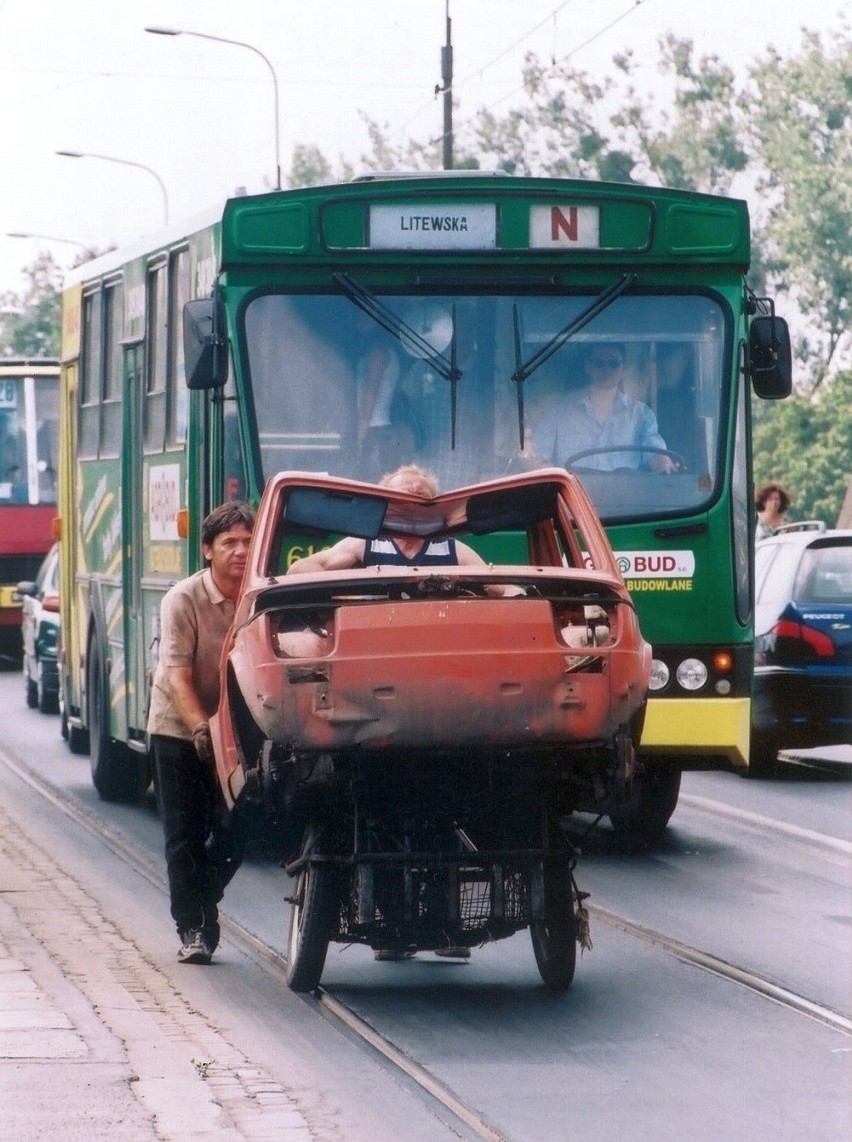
554,939
311,922
763,755
653,799
117,774
77,738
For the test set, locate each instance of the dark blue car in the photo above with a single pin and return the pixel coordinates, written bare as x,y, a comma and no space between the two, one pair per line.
803,642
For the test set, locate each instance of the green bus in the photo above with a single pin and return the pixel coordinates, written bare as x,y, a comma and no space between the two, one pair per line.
440,320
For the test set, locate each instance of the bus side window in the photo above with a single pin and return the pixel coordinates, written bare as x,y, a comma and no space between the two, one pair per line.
90,376
156,355
113,369
177,392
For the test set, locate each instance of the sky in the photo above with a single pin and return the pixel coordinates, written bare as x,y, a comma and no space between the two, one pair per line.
83,75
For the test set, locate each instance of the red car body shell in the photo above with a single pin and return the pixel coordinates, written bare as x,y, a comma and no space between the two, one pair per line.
426,659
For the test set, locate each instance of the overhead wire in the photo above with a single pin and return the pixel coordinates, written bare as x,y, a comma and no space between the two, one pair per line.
568,55
556,62
502,55
479,71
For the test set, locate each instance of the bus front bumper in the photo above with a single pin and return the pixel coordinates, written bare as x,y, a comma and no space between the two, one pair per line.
692,729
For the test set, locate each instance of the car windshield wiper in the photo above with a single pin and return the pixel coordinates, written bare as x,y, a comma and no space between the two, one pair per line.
407,336
525,369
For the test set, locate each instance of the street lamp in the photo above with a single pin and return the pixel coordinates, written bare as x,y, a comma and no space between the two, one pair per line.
159,31
46,238
124,163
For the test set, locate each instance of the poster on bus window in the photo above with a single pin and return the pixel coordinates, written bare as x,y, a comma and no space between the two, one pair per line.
163,500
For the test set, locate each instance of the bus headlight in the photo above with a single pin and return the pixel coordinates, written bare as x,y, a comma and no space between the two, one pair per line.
691,674
660,675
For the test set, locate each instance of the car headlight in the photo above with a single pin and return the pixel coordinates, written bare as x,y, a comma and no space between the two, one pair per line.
660,675
691,674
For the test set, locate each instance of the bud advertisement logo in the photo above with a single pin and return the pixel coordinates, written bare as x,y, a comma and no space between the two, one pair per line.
656,570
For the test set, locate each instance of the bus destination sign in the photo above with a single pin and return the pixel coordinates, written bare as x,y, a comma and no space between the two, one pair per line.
439,226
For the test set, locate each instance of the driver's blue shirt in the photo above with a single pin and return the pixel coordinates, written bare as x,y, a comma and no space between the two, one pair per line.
568,425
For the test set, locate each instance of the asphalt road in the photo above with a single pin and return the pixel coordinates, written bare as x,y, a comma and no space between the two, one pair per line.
644,1044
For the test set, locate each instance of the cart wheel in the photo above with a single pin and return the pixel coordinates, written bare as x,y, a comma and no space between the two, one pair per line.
311,923
554,939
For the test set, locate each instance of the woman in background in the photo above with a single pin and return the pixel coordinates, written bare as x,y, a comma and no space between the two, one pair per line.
771,501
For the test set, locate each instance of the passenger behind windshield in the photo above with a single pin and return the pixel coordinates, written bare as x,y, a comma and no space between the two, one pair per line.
387,431
677,403
596,420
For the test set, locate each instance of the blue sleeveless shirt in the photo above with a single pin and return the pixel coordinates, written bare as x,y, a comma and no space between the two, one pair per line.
433,553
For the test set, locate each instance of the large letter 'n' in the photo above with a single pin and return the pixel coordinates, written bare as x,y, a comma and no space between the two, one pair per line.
558,222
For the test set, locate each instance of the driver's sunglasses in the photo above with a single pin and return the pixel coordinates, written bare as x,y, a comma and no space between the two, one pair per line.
608,363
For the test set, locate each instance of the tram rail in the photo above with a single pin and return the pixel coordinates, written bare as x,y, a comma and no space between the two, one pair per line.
466,1119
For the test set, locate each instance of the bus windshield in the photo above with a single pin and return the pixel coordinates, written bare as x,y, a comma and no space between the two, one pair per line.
29,412
476,384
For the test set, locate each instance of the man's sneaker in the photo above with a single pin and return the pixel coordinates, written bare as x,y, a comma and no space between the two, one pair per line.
196,949
453,953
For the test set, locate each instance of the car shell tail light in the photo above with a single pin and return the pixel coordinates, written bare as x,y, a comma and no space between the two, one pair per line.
579,625
307,633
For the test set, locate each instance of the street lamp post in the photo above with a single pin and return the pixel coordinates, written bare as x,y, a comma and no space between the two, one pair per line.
124,163
159,31
46,238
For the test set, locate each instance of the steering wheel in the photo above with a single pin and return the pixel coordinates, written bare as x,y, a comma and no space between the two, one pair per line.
680,462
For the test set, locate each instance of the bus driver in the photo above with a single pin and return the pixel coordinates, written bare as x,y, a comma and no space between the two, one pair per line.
601,415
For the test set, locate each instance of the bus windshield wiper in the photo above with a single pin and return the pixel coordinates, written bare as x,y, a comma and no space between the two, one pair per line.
525,369
407,336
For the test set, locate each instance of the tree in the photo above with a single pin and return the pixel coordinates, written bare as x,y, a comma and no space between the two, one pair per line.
387,156
800,129
805,443
30,322
558,132
573,125
698,144
310,167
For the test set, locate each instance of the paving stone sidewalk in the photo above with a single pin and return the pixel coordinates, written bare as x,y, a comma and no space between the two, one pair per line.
95,1042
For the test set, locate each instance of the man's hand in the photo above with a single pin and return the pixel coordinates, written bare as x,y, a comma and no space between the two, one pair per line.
662,463
203,744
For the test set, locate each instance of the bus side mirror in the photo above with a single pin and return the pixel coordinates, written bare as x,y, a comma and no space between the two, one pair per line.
770,357
205,349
